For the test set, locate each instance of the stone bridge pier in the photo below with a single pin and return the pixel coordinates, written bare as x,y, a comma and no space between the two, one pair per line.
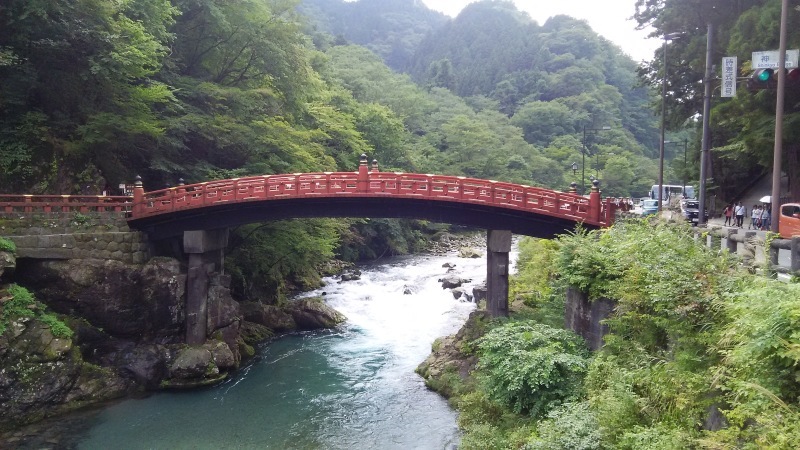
498,245
205,249
206,255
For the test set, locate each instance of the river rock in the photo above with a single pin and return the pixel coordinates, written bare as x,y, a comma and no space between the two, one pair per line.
479,292
452,281
269,316
253,333
469,252
192,363
461,292
313,313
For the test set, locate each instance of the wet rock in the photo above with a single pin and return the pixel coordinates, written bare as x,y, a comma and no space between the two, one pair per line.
351,275
408,290
461,293
448,265
469,252
269,316
479,292
312,314
192,363
146,364
452,281
253,333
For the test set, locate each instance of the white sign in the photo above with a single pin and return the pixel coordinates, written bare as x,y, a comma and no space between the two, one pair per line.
769,59
729,76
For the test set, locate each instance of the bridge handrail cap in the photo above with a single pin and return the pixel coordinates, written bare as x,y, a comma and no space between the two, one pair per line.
461,178
328,173
297,173
399,173
65,195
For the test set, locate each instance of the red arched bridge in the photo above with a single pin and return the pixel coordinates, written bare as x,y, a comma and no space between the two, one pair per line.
368,192
202,213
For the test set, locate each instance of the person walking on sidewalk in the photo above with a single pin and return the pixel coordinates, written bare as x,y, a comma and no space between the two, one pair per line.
739,211
755,218
728,213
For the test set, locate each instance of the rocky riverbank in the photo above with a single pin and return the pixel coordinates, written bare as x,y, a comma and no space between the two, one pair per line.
124,336
126,330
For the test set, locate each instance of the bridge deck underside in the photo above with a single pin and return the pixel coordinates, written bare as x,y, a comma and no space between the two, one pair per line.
234,214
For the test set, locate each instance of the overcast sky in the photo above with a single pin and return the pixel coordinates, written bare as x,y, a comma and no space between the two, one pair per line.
609,18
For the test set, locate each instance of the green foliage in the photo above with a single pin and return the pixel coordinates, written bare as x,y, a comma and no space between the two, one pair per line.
572,426
280,257
7,245
534,278
22,304
530,367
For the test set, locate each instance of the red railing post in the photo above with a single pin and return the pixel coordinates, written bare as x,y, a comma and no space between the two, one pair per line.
138,196
363,174
595,202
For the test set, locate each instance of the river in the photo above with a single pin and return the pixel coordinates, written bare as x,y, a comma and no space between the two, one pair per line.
349,388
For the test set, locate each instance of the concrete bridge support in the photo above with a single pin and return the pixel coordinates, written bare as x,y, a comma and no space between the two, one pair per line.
498,245
205,249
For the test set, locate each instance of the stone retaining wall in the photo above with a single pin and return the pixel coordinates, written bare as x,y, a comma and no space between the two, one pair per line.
22,224
75,236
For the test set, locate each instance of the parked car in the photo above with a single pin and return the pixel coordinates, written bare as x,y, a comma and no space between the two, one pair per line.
789,220
690,209
649,206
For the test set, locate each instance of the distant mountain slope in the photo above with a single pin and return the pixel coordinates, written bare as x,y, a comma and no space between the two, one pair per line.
392,29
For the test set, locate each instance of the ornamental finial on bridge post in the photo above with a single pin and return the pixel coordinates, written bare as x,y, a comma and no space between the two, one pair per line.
375,165
573,188
363,173
138,194
594,202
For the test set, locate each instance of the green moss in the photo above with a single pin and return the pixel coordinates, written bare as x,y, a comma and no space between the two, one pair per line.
23,304
7,245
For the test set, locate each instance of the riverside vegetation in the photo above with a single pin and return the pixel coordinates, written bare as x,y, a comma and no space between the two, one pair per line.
700,354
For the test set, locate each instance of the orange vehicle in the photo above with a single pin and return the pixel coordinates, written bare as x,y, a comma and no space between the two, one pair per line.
789,220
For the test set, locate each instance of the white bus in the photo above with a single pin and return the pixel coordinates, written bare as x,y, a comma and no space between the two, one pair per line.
672,191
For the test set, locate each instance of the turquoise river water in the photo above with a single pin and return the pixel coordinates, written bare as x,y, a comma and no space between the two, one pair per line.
349,388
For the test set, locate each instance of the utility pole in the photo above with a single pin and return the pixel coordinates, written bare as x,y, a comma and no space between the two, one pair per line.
706,132
778,148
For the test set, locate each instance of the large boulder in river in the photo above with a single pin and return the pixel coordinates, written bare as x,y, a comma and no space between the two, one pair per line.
269,316
313,313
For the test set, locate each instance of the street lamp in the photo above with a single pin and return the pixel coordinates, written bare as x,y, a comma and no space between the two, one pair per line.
583,155
667,37
685,167
574,168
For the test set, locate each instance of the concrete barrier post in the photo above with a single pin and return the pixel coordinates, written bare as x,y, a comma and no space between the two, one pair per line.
730,235
794,257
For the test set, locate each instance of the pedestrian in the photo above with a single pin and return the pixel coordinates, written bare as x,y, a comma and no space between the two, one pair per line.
739,211
765,218
728,213
755,218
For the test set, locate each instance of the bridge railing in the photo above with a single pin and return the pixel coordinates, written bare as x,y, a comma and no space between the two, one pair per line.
364,183
64,203
395,184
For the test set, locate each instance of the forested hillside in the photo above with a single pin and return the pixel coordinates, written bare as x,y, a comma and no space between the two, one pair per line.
551,81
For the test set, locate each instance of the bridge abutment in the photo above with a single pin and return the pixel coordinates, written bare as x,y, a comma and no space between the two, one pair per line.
498,246
205,249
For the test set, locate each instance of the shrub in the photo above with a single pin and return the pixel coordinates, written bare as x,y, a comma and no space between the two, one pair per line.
572,426
531,367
